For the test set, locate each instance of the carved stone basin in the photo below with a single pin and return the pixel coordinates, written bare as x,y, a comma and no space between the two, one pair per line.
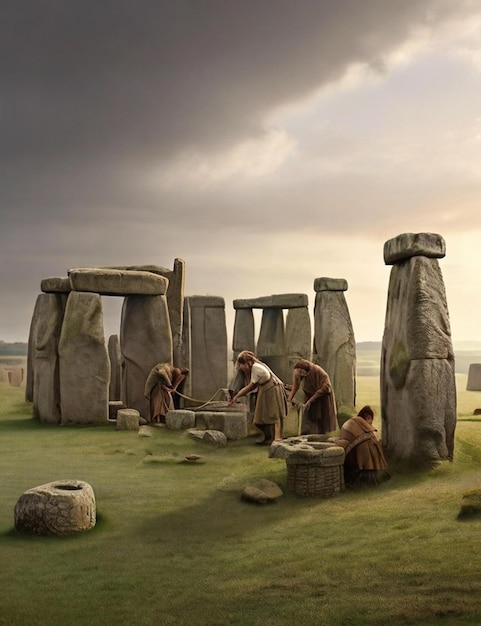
62,507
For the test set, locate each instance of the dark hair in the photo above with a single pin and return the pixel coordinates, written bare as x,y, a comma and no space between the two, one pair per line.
302,364
366,411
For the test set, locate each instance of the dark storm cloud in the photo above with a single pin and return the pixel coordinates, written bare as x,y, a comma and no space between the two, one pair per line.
93,91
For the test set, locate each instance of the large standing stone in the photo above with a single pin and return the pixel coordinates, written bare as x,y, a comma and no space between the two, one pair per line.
474,377
334,346
298,335
84,362
205,343
115,357
271,345
145,340
244,331
175,299
418,389
46,325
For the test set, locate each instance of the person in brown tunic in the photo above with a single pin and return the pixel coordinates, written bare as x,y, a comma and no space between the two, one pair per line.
320,414
161,383
364,463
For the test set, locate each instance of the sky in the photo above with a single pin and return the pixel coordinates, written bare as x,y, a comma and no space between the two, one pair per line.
265,142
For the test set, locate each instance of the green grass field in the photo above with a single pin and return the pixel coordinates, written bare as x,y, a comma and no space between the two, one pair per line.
175,545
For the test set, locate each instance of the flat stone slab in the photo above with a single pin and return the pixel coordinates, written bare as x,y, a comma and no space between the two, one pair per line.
180,419
117,282
232,423
408,245
276,301
330,284
56,285
62,507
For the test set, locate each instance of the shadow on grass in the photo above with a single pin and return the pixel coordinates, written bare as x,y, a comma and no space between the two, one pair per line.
102,524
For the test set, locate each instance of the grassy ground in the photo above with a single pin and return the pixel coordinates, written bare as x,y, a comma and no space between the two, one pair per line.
175,545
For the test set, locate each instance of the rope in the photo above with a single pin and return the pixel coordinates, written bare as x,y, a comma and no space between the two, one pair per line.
203,404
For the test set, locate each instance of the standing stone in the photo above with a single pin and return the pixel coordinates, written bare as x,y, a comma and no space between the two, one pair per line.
205,342
474,377
244,331
84,362
298,335
334,347
115,358
47,324
175,300
271,345
145,340
418,388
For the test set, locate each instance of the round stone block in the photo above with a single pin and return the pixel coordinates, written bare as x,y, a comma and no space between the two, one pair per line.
62,507
128,419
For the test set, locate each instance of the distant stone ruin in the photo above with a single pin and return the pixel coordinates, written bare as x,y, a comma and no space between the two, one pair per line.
418,388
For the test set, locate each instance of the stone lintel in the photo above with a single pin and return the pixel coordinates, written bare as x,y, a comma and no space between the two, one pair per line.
407,245
154,269
117,282
55,285
203,301
330,284
276,301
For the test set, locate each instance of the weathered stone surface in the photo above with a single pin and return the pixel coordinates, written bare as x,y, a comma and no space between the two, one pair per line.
244,332
49,314
418,389
282,448
205,346
127,419
56,285
62,507
407,245
330,284
261,492
232,424
213,437
145,340
334,347
175,298
271,344
275,301
115,358
474,377
180,419
83,361
298,336
117,282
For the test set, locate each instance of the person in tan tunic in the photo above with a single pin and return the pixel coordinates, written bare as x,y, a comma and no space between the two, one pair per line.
271,406
320,414
364,463
162,381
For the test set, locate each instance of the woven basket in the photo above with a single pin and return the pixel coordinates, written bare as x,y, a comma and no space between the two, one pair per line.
314,475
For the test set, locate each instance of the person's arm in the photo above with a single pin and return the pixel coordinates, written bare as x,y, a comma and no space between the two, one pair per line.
296,381
243,392
180,378
323,389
